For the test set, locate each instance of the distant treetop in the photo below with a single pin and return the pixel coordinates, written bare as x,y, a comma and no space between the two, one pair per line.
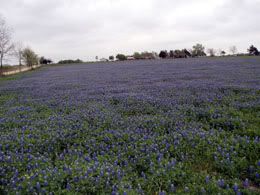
121,57
70,61
253,51
43,60
198,50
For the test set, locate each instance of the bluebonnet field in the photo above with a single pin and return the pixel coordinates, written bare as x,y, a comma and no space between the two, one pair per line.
141,127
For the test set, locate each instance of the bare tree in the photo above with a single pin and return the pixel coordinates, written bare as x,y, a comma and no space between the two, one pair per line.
218,52
19,47
233,50
6,45
211,52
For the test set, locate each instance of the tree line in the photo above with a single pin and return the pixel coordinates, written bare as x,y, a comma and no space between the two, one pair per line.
197,50
70,61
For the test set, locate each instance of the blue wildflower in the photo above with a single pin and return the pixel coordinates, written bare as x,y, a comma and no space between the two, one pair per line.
246,183
235,187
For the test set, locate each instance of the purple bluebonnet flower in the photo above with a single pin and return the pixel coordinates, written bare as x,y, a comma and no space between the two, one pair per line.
235,187
246,183
207,179
38,186
76,179
114,193
68,187
162,193
221,183
46,183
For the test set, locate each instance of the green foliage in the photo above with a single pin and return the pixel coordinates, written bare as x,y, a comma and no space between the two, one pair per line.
121,57
30,57
253,51
70,61
43,60
163,54
198,50
137,55
111,58
144,55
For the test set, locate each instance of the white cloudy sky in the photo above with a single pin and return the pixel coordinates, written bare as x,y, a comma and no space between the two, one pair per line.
82,29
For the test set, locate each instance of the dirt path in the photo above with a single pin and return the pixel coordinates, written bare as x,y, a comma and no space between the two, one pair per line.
22,69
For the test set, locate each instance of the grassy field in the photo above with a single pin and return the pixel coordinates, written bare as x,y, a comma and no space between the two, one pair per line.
189,126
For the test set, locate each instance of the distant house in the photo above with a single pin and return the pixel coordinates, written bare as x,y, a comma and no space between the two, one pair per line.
130,58
103,60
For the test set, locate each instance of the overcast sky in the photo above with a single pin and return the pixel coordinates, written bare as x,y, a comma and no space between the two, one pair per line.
62,29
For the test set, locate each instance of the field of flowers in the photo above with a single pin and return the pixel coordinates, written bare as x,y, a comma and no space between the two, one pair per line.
188,126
